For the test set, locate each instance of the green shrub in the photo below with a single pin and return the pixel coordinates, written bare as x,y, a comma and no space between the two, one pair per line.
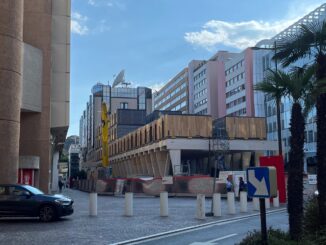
310,218
275,237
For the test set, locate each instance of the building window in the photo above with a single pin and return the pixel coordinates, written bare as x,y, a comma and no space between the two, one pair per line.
123,105
310,136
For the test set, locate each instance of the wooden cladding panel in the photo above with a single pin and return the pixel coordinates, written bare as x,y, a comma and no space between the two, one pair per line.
168,126
245,127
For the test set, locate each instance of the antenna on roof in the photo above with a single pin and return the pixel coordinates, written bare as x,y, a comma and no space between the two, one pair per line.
120,79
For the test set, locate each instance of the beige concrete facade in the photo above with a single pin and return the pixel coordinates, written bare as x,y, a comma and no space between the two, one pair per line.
35,131
11,54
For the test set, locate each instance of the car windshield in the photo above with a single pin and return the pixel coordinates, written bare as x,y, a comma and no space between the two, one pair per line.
34,190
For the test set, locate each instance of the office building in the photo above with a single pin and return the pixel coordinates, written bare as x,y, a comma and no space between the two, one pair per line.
127,109
205,79
174,95
242,73
34,95
286,103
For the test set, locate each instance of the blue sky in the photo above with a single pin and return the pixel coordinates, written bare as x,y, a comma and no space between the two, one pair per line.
155,39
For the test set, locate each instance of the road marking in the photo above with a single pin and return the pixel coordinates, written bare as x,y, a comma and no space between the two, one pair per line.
192,228
211,242
223,237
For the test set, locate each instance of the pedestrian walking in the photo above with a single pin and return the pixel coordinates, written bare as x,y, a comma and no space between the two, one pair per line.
60,183
229,184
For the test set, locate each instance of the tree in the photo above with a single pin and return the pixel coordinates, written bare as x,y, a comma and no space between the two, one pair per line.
310,42
273,85
298,85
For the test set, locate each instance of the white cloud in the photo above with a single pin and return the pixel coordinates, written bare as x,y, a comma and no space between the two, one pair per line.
156,86
245,33
78,24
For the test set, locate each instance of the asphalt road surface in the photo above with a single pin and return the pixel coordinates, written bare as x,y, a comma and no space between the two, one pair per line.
223,232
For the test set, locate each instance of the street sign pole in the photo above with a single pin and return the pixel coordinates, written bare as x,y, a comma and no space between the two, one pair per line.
263,221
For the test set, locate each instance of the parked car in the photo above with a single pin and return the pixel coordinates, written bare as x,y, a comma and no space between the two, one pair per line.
27,201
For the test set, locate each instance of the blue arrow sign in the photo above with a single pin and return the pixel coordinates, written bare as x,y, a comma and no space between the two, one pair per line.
261,182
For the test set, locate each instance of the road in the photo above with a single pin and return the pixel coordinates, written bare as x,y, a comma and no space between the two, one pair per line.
223,232
111,226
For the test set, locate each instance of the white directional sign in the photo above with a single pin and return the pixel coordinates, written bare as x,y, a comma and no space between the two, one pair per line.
262,182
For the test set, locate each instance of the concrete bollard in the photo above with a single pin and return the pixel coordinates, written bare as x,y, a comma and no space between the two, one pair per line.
276,201
231,202
129,203
164,204
217,209
93,204
267,203
243,202
200,214
255,202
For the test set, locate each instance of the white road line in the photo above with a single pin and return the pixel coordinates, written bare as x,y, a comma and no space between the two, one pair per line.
222,238
183,232
192,228
211,242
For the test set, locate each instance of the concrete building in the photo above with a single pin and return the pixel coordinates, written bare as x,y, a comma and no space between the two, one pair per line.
181,145
132,100
174,95
206,84
242,73
34,95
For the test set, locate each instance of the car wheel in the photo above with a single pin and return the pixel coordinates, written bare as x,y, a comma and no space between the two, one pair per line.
47,213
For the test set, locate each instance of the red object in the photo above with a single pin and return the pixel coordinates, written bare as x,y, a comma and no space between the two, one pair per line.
278,163
26,176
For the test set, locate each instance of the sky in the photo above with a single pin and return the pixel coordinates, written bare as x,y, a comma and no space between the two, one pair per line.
153,40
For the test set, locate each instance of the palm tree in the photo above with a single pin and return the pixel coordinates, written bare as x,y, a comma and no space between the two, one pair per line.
298,85
273,85
310,42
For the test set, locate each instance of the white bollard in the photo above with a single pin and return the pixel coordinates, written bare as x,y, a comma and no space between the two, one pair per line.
231,203
93,204
129,203
164,204
200,214
217,210
267,203
255,202
276,201
243,201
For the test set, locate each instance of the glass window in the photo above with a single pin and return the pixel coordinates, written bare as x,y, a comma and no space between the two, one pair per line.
123,105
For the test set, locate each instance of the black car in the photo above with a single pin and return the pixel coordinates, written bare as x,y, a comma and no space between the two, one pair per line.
28,201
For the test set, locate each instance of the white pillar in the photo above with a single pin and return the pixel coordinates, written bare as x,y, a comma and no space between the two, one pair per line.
243,201
267,203
276,201
217,204
231,203
164,204
93,204
129,204
200,214
175,156
255,202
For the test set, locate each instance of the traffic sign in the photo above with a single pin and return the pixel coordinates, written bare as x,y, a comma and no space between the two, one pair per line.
262,182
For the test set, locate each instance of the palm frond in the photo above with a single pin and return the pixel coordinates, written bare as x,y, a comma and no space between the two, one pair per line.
310,39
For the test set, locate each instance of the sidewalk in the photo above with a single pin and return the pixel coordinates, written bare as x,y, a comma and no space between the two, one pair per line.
110,225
